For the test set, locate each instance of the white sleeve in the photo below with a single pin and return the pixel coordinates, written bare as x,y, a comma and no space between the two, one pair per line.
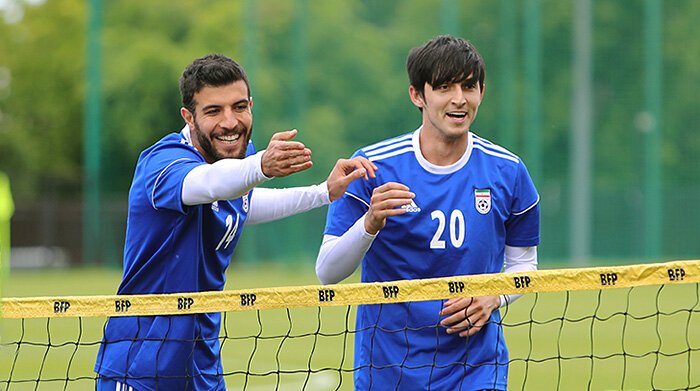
226,179
518,259
340,256
273,204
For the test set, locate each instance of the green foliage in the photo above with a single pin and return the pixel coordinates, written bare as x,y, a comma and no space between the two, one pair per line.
342,60
336,71
41,122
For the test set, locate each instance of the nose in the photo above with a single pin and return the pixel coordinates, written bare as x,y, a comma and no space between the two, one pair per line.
229,120
459,97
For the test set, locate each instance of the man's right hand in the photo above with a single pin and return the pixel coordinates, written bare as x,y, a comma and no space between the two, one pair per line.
387,200
284,157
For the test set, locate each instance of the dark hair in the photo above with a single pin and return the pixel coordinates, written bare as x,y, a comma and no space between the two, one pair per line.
445,59
213,70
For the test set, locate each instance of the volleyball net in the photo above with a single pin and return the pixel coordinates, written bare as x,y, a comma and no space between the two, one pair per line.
620,327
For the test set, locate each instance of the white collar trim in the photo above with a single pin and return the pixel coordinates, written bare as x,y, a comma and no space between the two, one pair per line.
186,135
433,168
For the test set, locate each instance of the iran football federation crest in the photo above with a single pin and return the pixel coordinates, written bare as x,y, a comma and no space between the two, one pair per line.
482,200
245,202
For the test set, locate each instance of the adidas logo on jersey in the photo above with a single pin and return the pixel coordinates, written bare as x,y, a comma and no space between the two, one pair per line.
412,207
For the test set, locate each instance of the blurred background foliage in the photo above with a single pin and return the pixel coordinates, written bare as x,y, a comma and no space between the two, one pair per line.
336,70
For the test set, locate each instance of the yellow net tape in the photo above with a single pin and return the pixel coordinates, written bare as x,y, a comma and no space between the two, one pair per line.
594,278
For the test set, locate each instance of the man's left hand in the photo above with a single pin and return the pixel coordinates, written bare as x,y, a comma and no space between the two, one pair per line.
346,171
467,315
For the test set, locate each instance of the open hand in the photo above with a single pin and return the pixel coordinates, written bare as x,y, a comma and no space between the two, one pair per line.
284,157
346,171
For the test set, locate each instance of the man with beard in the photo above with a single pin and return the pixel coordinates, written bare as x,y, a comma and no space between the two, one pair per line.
191,195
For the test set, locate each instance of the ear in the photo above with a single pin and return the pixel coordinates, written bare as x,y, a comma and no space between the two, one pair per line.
416,97
483,88
250,104
187,116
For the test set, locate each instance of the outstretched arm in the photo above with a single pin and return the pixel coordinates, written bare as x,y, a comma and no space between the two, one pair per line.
228,179
273,204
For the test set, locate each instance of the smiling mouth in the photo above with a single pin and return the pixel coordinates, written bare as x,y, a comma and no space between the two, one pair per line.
229,138
457,114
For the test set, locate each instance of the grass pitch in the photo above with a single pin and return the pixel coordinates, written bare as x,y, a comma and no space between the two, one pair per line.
631,339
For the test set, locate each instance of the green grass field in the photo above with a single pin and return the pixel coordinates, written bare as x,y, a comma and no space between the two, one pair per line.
563,347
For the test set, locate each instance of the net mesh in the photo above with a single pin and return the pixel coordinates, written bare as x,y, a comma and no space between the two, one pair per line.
627,327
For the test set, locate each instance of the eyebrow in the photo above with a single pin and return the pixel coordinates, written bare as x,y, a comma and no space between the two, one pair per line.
207,107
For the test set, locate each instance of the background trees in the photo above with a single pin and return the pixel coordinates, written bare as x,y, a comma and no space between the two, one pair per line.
335,70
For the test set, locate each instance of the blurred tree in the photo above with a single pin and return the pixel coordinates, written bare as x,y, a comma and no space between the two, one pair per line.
142,66
355,87
41,63
682,76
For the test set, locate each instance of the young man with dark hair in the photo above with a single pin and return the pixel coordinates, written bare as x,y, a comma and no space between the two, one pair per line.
191,196
444,202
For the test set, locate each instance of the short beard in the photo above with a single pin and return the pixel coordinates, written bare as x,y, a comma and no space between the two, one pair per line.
211,152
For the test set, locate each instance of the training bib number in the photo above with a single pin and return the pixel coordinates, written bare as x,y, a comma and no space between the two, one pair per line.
231,230
457,229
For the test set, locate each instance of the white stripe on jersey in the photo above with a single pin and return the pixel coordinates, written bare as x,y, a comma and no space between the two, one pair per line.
491,146
153,193
387,142
390,154
388,148
528,208
494,153
123,387
357,198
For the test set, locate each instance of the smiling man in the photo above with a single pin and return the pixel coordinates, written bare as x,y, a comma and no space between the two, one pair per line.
444,202
191,196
